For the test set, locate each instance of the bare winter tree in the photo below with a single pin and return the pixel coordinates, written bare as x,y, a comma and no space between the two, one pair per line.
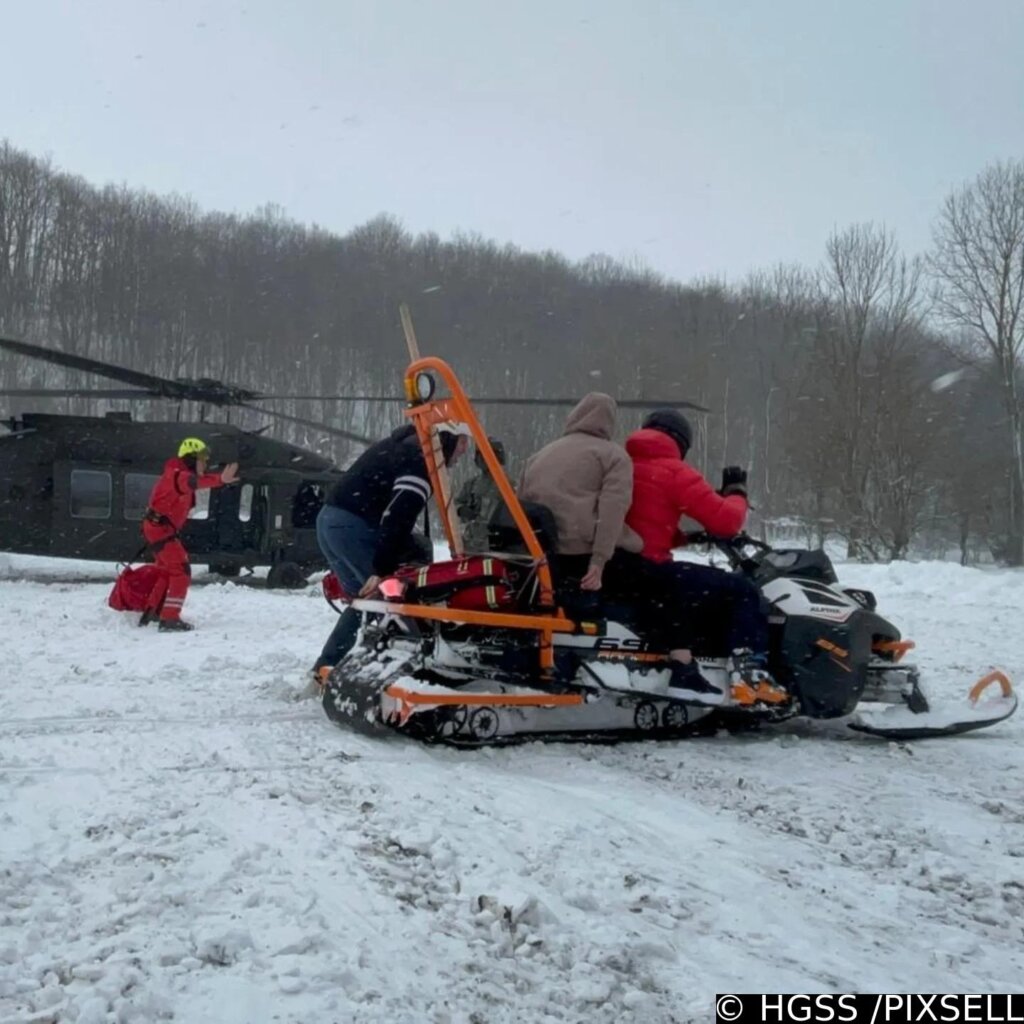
872,297
909,452
975,456
979,265
780,310
806,374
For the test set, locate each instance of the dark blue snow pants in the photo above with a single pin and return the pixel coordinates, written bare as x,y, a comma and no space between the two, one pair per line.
710,611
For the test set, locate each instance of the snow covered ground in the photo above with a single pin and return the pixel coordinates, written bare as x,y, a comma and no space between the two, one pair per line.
181,839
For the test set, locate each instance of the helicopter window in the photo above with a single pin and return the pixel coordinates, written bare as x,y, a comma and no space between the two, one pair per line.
90,494
201,509
307,504
245,503
137,489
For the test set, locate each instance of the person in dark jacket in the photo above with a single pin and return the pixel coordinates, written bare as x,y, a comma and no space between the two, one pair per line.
365,528
477,500
665,489
172,498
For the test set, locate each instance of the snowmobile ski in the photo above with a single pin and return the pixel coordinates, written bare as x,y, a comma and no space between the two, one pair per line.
902,723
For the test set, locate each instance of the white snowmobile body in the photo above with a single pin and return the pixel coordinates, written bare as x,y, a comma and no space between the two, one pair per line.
445,672
831,652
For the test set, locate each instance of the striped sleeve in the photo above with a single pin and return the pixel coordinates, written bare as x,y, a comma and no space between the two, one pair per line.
408,497
415,484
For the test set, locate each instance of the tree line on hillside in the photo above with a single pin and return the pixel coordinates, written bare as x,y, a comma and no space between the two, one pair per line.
875,396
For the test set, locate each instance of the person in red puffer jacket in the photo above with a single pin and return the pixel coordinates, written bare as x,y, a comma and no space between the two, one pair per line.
666,488
172,498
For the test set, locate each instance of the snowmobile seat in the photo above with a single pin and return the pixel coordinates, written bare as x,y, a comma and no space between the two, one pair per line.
580,604
589,606
577,604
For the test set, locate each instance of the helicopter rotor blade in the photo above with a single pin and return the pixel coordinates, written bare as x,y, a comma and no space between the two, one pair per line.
622,403
212,392
330,398
77,393
625,403
74,362
314,424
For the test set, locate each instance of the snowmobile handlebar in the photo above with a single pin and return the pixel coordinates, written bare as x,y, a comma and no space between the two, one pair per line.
731,547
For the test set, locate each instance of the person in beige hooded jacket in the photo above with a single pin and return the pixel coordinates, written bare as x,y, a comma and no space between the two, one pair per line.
586,479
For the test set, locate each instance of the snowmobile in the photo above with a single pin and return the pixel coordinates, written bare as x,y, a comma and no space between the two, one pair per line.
482,650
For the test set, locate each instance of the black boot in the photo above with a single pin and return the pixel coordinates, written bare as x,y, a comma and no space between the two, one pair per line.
175,626
687,684
146,618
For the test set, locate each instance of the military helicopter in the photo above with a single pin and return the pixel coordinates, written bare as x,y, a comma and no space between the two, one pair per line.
77,486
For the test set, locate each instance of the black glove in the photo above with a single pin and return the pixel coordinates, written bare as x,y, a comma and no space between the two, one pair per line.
734,481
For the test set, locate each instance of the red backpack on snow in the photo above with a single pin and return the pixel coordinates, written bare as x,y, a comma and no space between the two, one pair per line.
139,590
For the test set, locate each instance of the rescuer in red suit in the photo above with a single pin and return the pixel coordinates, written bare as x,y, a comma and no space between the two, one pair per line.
173,497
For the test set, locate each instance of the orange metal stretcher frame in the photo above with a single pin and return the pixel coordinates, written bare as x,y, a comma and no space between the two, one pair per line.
457,408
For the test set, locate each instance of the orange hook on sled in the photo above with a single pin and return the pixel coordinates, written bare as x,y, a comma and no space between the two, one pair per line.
986,681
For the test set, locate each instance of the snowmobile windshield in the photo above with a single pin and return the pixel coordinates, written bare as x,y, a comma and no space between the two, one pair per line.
808,565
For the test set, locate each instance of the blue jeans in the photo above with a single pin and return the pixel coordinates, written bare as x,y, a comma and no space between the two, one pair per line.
349,544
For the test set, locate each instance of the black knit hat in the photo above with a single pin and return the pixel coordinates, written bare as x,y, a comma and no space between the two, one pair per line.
673,423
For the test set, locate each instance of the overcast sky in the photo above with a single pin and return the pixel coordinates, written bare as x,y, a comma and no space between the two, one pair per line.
702,137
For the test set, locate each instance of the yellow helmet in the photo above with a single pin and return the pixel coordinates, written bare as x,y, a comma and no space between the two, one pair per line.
192,446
